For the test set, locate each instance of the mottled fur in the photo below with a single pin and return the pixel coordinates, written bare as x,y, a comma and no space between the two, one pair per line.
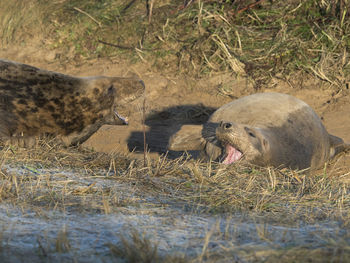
35,102
270,129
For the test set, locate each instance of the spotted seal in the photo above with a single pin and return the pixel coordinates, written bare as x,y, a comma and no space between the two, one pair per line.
265,129
34,102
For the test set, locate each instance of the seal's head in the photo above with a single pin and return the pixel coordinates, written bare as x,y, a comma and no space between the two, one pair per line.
241,142
118,93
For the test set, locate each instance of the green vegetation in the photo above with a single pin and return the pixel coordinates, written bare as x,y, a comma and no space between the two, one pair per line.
274,38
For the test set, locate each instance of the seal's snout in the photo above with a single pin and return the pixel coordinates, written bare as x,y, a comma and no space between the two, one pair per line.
226,125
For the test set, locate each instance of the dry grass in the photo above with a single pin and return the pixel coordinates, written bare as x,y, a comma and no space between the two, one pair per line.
135,247
22,21
138,248
75,181
41,176
52,176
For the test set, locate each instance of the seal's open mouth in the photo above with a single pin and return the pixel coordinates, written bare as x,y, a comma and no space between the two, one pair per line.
232,154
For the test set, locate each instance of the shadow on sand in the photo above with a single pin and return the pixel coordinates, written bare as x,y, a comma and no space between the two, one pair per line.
162,125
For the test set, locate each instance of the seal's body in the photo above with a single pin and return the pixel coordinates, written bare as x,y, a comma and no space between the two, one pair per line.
268,129
34,102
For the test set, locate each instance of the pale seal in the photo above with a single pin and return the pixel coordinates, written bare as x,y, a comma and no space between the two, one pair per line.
265,129
34,102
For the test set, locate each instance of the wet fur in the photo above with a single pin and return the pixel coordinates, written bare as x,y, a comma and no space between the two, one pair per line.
34,102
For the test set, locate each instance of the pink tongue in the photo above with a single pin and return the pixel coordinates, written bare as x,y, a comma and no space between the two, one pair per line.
232,154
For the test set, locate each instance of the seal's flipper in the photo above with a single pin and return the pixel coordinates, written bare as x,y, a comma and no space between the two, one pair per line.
188,138
337,145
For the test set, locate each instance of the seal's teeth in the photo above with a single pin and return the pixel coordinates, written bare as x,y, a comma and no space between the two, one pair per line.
123,119
223,158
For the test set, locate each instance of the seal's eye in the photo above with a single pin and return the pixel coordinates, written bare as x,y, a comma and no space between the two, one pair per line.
111,89
227,125
250,133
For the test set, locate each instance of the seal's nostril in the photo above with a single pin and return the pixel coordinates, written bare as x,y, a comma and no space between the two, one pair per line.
227,125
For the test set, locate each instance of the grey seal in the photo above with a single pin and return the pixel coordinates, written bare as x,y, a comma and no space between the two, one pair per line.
265,129
34,102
